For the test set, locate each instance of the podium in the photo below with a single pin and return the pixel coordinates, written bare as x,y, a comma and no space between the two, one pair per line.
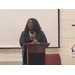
35,48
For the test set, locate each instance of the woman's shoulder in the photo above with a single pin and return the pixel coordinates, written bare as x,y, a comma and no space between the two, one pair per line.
24,32
41,32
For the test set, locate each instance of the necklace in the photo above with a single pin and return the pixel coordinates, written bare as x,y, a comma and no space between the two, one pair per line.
32,36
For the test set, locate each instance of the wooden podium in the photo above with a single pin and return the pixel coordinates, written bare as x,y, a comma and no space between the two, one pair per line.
35,48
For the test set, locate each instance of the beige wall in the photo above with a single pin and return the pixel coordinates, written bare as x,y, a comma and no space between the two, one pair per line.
10,56
67,18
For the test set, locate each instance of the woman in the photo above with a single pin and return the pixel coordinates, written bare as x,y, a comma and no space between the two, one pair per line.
32,35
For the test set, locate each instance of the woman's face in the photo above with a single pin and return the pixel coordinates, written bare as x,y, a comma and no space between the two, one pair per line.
30,25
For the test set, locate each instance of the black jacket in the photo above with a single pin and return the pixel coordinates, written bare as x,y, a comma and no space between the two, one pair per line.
25,38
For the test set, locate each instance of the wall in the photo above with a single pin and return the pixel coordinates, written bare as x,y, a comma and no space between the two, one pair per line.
10,56
67,18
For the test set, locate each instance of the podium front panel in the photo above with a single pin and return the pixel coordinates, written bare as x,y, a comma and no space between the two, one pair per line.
36,48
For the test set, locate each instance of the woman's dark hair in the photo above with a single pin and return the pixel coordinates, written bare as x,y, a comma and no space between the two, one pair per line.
36,26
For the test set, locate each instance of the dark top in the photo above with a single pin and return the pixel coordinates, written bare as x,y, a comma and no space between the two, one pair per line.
25,38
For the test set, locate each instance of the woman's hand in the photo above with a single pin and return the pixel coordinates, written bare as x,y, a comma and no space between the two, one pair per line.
35,41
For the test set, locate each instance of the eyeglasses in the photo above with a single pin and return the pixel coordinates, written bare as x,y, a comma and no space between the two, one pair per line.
30,22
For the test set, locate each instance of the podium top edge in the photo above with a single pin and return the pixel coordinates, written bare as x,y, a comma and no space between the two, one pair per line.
45,44
38,44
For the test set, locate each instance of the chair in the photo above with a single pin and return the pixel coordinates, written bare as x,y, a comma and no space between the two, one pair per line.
52,59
